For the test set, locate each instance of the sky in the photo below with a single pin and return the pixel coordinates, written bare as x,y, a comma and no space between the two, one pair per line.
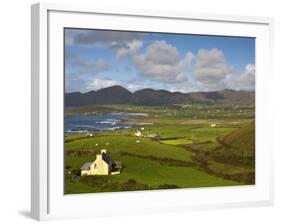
96,59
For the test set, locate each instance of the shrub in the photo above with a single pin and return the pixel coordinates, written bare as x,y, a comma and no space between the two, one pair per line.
168,186
132,185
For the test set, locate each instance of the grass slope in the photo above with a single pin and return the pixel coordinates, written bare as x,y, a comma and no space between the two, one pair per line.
117,143
238,146
189,153
150,173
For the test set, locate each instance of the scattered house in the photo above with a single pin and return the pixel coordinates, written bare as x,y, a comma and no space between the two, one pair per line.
154,136
89,134
187,106
142,128
103,165
138,141
138,134
97,144
183,105
213,125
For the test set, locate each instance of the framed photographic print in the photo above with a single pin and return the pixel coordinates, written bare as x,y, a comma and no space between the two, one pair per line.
146,111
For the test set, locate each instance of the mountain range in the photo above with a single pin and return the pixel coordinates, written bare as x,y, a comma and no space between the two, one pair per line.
150,97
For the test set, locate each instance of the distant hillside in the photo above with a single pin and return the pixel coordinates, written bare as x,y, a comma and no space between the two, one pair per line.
238,146
120,95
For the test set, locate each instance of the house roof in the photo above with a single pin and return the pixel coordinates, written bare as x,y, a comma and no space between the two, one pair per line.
106,158
118,163
86,166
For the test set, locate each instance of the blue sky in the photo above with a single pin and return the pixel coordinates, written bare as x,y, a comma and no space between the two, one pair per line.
97,59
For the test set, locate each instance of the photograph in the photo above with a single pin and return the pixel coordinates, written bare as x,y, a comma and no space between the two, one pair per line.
153,111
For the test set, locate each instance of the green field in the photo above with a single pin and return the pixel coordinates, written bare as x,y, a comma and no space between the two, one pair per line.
189,152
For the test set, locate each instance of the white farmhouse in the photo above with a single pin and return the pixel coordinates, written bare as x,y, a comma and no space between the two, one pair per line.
103,165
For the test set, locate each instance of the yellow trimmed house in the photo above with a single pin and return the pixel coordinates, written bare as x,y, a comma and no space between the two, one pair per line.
103,165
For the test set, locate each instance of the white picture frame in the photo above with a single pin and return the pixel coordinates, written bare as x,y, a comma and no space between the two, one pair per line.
48,201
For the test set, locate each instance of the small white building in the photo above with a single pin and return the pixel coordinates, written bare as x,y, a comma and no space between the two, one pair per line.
138,134
154,136
89,134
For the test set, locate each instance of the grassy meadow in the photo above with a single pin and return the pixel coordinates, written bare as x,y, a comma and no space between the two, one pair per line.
196,146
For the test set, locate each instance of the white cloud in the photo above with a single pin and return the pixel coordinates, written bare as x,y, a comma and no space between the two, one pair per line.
96,84
210,69
161,62
160,52
186,61
133,87
79,70
245,81
126,48
247,78
184,87
121,43
85,66
74,83
88,37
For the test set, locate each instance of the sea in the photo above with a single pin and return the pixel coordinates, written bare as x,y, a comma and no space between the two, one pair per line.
96,122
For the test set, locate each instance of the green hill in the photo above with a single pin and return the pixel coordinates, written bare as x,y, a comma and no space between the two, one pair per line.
151,97
238,147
